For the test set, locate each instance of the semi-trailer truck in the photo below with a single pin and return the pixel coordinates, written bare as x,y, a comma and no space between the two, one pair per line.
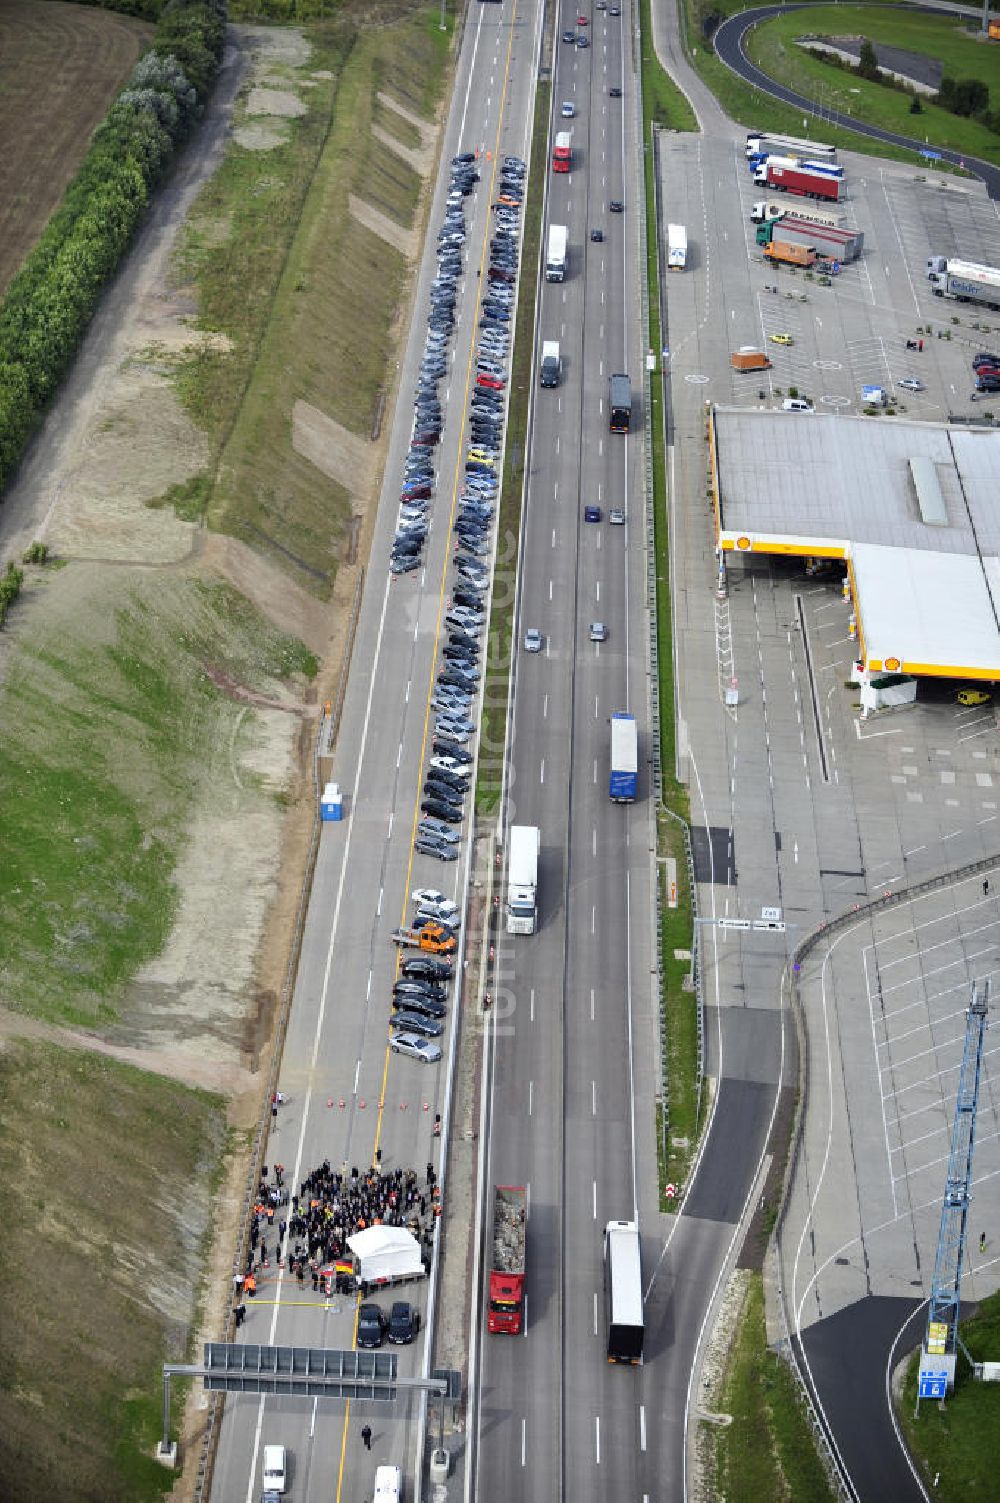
677,247
773,208
833,241
624,758
758,144
620,403
789,176
965,280
551,367
522,879
789,253
507,1263
555,259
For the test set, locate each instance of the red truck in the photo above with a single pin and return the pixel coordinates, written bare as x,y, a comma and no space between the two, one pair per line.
506,1307
795,177
562,152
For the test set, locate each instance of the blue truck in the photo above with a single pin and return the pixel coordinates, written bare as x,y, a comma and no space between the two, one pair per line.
624,758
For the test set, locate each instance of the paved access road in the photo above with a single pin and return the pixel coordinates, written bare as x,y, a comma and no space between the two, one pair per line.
730,45
347,1096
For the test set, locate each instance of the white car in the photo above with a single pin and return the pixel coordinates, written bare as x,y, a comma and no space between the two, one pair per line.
415,1047
568,109
598,631
532,640
910,383
429,896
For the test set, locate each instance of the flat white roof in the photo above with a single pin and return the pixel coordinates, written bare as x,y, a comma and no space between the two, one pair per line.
927,592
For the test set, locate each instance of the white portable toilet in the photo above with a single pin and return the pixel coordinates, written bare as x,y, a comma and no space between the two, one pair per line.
332,803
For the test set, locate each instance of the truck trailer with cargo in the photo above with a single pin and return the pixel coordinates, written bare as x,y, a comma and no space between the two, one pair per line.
759,144
624,782
966,281
555,259
507,1261
773,208
789,253
522,879
789,176
562,152
833,241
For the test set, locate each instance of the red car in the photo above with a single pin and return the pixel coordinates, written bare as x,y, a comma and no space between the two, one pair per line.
489,381
581,20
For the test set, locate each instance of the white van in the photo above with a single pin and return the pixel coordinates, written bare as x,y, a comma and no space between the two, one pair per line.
274,1469
388,1485
797,404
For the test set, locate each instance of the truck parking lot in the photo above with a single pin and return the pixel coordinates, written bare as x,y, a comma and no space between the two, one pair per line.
844,336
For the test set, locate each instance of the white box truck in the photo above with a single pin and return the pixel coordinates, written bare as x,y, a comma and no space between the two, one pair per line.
555,260
522,878
677,247
550,369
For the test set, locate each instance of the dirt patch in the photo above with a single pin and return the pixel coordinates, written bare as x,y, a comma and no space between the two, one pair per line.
260,137
60,68
428,131
380,224
274,102
420,158
277,597
339,454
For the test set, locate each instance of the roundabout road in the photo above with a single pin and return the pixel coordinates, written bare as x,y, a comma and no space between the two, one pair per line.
730,47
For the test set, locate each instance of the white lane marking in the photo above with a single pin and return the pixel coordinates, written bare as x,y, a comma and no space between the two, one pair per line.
594,1184
591,1004
553,537
595,1312
642,1427
378,910
531,1001
523,1443
595,769
545,707
541,774
597,1438
593,920
357,1076
593,842
597,586
550,589
399,755
530,1095
593,1098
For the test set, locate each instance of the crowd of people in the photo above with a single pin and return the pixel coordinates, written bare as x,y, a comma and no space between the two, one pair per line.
313,1226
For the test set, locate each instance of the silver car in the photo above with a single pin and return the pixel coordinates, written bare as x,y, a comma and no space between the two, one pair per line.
412,1045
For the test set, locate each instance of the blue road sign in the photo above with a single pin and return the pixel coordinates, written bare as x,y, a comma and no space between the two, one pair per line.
933,1387
932,156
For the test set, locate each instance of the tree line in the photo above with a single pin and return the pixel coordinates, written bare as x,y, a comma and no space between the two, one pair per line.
52,298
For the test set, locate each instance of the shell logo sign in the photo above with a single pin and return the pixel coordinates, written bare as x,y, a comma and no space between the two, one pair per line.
743,544
892,665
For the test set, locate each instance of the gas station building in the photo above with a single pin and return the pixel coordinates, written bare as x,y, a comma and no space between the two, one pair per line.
911,509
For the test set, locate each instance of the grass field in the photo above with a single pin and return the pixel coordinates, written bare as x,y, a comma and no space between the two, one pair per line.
960,1443
767,1451
102,1248
60,68
773,48
109,727
751,108
306,295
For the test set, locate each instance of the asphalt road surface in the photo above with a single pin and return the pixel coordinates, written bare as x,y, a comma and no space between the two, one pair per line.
347,1095
730,45
571,1100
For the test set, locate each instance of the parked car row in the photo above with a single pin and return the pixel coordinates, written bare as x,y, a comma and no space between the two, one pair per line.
418,474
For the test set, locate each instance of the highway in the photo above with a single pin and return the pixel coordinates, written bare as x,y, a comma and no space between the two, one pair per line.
347,1097
553,1418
